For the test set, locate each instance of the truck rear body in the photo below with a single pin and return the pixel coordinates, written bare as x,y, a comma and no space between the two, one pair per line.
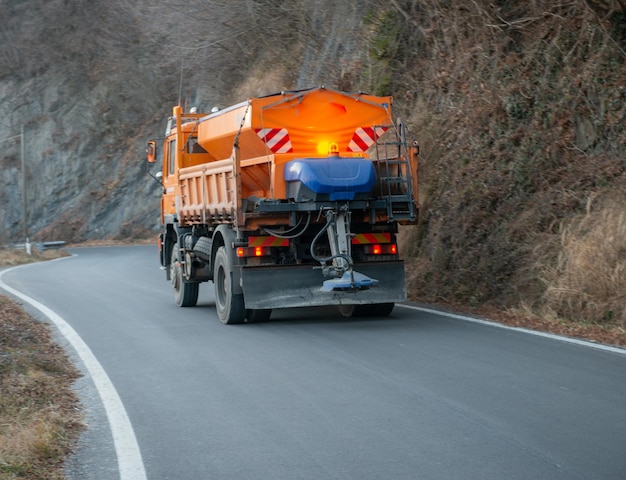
304,191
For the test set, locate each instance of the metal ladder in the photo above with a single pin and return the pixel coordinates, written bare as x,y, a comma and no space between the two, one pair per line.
394,176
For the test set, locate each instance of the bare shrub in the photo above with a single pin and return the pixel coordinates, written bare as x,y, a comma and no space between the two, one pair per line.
39,416
588,281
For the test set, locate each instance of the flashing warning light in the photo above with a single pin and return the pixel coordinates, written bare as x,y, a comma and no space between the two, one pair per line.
322,147
326,147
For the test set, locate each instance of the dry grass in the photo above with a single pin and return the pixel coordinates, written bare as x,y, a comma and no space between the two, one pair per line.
522,316
588,281
40,417
13,257
519,111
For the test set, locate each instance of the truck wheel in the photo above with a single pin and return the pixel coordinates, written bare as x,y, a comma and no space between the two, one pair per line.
383,309
185,294
230,307
258,315
203,247
350,311
372,310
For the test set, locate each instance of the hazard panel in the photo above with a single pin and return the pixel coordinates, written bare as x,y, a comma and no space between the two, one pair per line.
276,139
365,137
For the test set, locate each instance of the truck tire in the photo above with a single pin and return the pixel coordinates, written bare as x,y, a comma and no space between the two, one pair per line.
258,315
371,310
202,248
350,311
383,309
185,294
230,307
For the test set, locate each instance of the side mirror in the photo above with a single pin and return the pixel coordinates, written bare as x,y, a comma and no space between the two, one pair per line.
151,151
158,177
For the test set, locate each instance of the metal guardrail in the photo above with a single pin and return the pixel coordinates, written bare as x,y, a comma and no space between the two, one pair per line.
41,246
50,245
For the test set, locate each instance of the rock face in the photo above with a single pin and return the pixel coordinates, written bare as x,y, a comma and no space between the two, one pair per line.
91,82
81,181
67,88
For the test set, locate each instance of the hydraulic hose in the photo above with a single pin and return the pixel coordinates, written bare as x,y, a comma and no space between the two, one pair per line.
329,220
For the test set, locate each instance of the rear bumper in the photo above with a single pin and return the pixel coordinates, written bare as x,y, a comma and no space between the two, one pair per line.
286,286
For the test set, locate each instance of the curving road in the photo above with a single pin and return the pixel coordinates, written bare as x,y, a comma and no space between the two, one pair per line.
311,395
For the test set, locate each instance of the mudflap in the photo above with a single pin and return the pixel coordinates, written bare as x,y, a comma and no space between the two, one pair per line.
286,286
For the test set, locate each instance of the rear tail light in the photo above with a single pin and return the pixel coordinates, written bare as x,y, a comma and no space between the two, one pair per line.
381,249
253,251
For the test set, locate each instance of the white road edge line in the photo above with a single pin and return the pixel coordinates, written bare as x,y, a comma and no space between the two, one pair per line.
575,341
129,459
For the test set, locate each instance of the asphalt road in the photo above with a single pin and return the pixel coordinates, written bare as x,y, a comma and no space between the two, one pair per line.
311,395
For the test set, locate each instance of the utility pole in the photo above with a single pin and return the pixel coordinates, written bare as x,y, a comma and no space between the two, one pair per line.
24,195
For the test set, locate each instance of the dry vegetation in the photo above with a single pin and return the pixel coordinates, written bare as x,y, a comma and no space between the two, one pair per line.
40,417
588,279
13,257
520,109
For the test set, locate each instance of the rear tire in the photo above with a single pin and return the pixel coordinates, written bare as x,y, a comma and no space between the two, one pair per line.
230,307
383,309
185,294
371,310
350,311
258,315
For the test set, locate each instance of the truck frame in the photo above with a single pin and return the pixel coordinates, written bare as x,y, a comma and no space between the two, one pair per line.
288,200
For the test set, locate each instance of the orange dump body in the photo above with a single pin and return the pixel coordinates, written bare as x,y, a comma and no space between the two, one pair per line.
304,124
269,132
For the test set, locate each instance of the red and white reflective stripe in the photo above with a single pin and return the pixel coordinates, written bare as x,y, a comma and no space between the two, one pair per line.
365,238
364,138
254,241
277,139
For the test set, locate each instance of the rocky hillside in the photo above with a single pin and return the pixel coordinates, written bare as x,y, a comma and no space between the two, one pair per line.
519,108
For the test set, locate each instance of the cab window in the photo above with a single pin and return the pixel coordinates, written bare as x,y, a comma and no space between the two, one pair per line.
172,157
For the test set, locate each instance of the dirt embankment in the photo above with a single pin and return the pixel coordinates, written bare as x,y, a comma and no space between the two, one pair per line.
40,416
520,110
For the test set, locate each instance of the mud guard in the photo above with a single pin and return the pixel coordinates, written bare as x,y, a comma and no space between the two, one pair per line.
286,286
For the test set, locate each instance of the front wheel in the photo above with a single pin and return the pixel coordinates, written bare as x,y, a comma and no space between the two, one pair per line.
185,294
230,306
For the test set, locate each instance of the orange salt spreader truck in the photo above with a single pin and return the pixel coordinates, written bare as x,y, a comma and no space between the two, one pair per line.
287,200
